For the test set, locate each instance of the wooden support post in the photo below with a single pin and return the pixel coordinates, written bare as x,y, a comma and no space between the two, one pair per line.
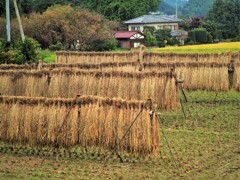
239,125
40,65
142,50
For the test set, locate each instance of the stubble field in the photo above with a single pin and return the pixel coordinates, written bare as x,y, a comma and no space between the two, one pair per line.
205,145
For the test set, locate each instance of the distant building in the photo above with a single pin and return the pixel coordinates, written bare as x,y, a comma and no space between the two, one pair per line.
129,39
180,35
157,21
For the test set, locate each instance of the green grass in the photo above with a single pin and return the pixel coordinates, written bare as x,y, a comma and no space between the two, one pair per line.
205,145
47,56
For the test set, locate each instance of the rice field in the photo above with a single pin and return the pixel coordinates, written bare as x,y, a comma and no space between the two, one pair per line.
203,48
205,146
77,120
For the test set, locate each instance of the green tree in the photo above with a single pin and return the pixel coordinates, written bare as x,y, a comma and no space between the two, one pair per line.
113,9
163,37
226,14
24,6
197,8
150,39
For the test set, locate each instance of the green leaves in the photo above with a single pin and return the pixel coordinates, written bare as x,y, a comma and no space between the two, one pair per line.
226,14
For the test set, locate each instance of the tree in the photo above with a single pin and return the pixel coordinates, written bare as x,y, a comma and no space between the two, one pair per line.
197,8
163,37
226,14
25,7
66,25
112,9
150,39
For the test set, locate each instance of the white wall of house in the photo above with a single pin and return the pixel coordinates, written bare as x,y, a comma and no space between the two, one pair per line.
140,27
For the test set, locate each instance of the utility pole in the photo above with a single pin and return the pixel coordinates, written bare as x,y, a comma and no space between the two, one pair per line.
176,8
19,20
8,21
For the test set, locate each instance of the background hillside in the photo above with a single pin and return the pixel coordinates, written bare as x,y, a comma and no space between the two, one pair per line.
186,7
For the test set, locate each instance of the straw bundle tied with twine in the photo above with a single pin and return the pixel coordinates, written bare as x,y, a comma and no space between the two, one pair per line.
236,80
86,121
224,57
68,83
94,57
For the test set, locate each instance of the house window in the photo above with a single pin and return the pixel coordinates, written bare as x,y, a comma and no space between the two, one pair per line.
135,28
136,44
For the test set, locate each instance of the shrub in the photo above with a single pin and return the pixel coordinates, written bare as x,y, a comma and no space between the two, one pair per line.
18,52
28,50
150,39
192,36
201,35
56,47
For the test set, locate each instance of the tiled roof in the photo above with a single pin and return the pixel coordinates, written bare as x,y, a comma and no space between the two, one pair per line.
125,34
146,19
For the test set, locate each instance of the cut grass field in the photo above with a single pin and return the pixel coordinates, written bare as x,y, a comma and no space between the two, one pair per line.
203,48
47,56
206,145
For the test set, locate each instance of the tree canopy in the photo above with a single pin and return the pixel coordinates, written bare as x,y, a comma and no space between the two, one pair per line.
112,9
67,25
197,8
226,14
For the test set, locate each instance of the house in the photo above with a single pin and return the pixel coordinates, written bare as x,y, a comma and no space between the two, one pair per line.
129,39
180,35
157,21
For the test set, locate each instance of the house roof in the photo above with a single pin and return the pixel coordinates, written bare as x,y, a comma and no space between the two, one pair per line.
147,19
125,34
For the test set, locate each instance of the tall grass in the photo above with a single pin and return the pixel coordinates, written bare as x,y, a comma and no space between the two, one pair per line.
86,121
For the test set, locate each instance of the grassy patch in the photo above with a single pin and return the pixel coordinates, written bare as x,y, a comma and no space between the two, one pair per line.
205,145
47,56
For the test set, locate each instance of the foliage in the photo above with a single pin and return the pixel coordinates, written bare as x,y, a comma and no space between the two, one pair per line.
186,8
56,47
47,56
226,14
18,52
163,37
28,51
192,36
66,25
24,7
167,8
112,9
150,39
212,29
201,35
196,22
198,35
197,8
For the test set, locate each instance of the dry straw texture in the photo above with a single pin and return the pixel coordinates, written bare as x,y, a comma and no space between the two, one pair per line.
197,75
85,121
68,83
204,78
236,80
192,57
95,57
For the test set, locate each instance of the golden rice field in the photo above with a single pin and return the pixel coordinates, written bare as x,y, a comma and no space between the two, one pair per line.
219,47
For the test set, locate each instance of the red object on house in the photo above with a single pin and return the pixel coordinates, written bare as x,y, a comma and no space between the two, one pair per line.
129,39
